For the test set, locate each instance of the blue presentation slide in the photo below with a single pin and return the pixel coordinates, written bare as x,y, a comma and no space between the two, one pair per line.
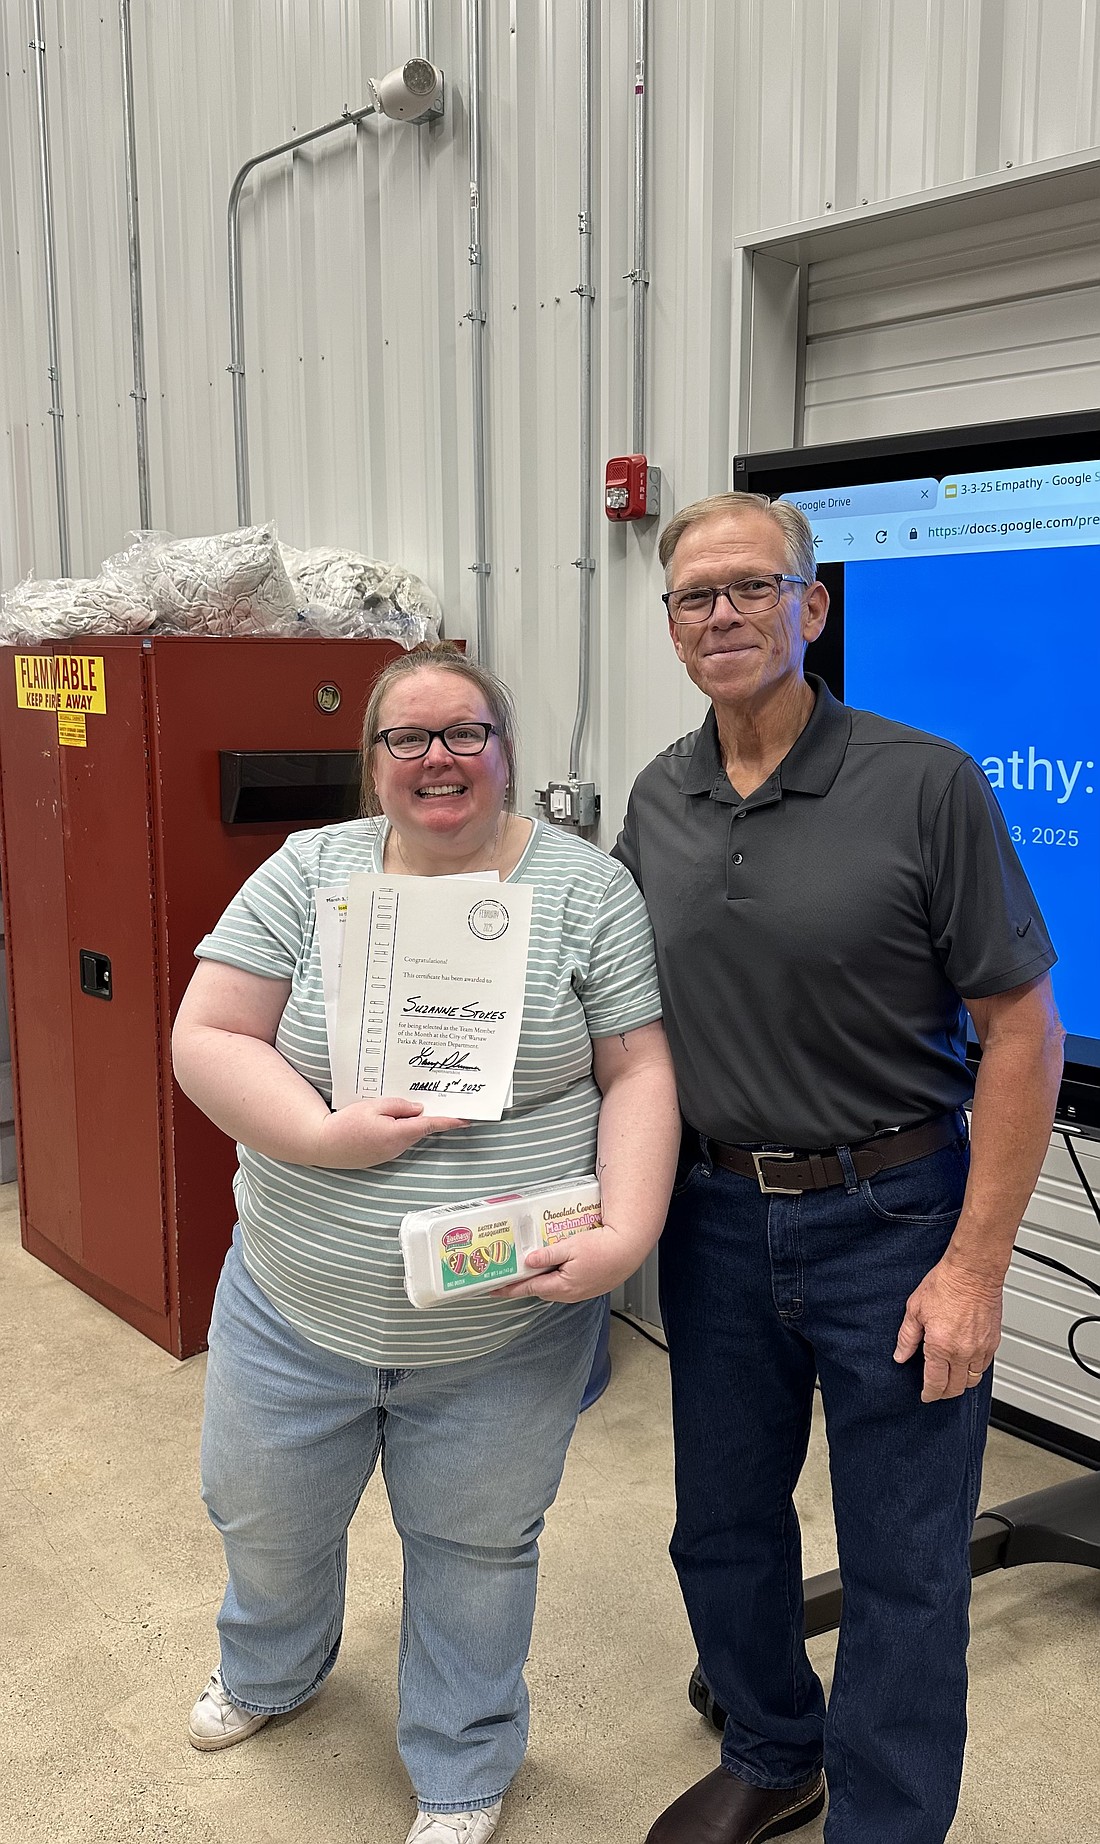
1000,653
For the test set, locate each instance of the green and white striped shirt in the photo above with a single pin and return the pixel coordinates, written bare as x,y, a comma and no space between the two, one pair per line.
322,1244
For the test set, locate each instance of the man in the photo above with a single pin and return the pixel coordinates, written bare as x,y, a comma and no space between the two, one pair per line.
829,890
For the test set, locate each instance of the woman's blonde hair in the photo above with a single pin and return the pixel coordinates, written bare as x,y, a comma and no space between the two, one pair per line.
443,657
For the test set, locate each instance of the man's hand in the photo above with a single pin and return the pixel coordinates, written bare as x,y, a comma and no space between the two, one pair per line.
956,1314
580,1268
373,1131
956,1310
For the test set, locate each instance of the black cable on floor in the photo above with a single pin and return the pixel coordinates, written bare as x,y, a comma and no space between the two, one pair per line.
636,1326
1048,1261
1080,1170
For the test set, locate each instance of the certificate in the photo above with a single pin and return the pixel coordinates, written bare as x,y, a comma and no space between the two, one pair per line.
431,990
332,914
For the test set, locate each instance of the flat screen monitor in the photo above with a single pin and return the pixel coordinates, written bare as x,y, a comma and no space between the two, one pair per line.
963,567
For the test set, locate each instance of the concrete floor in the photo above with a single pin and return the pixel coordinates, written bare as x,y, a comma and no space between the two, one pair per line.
111,1579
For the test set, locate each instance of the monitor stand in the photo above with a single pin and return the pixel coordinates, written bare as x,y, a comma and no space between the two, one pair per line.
1059,1524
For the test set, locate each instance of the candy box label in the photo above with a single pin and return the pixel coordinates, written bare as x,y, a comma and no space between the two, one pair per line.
486,1252
568,1220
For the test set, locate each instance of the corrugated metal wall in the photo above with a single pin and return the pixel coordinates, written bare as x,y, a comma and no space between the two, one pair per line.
852,102
356,281
356,276
963,327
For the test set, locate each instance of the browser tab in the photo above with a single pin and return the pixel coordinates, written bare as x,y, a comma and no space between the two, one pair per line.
871,497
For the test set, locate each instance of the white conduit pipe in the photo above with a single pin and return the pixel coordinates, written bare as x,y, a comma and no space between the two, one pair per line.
476,317
137,327
639,275
38,45
585,563
236,311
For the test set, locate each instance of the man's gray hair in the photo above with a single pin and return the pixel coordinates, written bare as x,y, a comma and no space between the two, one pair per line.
794,525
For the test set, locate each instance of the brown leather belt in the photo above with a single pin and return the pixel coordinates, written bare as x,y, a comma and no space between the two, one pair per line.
790,1170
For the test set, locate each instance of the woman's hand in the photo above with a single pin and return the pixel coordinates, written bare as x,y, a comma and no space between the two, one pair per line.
580,1268
226,1062
374,1131
639,1134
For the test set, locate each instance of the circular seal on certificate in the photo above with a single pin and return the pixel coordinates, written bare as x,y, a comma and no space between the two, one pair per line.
488,919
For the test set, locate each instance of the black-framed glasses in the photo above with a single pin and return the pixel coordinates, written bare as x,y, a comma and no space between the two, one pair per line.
408,743
751,595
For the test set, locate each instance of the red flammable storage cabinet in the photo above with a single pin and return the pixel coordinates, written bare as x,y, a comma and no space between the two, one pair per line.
141,781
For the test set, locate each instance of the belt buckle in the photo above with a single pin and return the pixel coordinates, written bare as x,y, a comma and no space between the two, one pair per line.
772,1190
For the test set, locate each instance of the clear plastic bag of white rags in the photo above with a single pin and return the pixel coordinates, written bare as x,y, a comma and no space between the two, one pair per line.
232,583
68,607
343,593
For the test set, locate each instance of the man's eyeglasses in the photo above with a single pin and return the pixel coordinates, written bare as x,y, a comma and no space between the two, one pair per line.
409,744
753,595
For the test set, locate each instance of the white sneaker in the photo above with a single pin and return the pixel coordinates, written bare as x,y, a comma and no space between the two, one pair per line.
217,1722
454,1827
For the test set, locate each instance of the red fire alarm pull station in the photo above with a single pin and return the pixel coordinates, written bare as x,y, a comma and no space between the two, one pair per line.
632,489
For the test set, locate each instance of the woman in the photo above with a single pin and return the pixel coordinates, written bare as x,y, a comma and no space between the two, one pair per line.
318,1365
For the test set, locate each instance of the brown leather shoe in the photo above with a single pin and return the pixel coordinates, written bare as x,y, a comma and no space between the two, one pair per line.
725,1810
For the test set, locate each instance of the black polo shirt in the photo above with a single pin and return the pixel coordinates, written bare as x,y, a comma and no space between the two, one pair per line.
813,940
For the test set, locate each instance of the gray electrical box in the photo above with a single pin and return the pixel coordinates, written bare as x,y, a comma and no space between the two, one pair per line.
569,803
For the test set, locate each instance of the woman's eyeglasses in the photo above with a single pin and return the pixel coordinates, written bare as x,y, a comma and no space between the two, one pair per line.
409,744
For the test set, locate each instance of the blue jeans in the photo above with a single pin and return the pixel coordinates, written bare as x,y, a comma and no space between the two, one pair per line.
761,1295
472,1454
